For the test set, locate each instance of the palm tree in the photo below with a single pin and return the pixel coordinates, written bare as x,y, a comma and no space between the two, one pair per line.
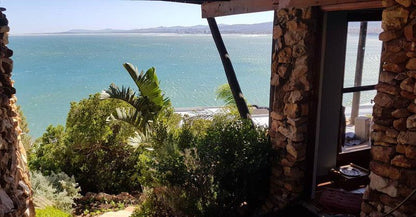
144,106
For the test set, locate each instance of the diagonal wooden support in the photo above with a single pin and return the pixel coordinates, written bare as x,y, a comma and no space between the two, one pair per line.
229,70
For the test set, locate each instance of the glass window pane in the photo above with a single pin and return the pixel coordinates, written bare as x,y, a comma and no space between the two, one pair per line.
373,45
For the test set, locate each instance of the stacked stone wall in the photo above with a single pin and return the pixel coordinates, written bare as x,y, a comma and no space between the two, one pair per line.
15,189
292,90
393,165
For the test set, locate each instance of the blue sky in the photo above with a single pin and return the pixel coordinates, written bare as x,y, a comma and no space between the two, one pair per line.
43,16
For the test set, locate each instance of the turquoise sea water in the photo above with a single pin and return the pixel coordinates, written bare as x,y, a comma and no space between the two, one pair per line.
50,71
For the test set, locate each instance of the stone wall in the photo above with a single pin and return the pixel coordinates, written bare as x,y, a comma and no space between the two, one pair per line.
393,165
292,82
15,189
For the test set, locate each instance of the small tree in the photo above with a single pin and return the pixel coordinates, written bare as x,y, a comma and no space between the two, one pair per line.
143,108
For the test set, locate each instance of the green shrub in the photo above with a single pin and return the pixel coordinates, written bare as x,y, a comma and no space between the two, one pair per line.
218,168
57,190
89,148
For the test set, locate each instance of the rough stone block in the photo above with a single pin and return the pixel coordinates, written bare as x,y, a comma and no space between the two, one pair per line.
400,148
400,113
388,3
407,137
408,84
384,185
392,67
382,153
389,35
386,88
385,170
410,152
384,100
411,122
392,133
410,31
405,3
285,55
400,124
297,150
407,95
277,32
402,161
387,77
394,57
411,64
394,18
412,108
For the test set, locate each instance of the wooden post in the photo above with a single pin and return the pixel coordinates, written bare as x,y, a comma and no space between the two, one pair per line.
359,71
229,70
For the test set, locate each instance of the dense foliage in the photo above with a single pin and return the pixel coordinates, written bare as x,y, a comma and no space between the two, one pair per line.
95,152
213,168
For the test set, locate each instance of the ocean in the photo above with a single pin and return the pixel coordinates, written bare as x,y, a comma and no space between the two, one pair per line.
50,71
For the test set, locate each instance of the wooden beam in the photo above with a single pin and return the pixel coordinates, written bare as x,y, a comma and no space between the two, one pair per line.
331,5
373,4
229,70
232,7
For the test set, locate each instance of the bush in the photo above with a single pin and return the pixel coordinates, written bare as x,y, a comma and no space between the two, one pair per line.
219,168
55,190
95,152
51,212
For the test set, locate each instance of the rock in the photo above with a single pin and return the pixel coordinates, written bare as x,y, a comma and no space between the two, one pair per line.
386,88
388,3
400,148
411,64
400,124
392,67
410,152
394,57
385,170
387,77
407,137
394,18
6,204
410,31
384,100
389,35
297,150
392,133
408,84
411,122
405,3
277,32
400,113
402,161
382,184
412,108
382,153
285,55
295,96
407,95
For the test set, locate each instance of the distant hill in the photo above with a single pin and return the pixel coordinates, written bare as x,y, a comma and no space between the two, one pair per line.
258,28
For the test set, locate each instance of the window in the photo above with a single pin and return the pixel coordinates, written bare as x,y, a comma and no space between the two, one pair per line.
361,73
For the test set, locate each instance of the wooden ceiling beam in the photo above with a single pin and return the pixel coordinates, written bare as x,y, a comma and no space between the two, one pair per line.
232,7
371,4
362,4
